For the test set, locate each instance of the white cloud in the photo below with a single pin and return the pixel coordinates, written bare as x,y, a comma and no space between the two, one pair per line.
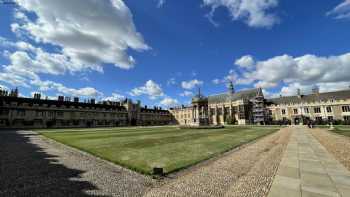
341,11
171,81
60,88
151,88
169,102
2,87
160,3
216,81
307,70
114,97
191,84
253,12
246,61
186,93
89,32
231,76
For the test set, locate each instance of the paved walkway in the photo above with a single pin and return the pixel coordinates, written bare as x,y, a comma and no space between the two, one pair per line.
308,170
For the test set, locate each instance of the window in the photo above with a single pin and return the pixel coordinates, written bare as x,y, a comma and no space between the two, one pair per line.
346,118
4,112
227,111
317,110
295,111
51,114
306,110
39,114
219,111
330,118
59,114
283,111
212,111
346,108
329,109
318,118
21,112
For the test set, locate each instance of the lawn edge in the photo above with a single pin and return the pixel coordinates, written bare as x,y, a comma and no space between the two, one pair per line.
213,157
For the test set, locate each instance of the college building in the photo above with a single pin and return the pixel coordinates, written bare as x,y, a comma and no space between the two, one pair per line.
19,112
316,107
251,107
243,107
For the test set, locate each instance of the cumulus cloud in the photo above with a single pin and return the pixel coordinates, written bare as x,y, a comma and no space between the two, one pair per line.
151,88
186,93
341,11
231,76
160,3
216,81
171,81
246,61
2,87
60,88
169,102
255,13
114,97
89,32
189,85
330,73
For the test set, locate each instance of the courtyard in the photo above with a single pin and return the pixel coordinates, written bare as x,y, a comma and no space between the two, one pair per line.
143,148
245,161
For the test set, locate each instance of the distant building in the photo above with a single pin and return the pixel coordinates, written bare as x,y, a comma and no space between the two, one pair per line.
316,107
244,107
18,112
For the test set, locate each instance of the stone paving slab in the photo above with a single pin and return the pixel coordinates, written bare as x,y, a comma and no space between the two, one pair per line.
307,169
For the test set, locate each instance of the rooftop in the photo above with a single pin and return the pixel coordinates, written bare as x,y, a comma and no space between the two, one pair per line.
314,97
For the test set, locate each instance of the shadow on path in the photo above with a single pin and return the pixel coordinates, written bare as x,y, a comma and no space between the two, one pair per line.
26,170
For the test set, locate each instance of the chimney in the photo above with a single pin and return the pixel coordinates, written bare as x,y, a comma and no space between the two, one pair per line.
37,96
61,98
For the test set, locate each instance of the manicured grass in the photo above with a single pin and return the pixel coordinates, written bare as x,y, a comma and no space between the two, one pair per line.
342,129
172,148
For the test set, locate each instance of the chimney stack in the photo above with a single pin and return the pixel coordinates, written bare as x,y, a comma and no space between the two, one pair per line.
92,101
61,98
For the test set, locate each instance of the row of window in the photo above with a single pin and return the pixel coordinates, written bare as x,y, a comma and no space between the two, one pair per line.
317,110
59,114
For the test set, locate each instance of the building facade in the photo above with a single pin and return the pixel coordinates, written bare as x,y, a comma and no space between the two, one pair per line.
315,107
19,112
244,107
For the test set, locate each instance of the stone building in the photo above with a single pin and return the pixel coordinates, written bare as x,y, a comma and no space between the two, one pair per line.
316,107
19,112
244,107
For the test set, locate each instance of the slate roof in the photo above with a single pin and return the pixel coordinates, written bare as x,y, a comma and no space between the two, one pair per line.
338,95
245,94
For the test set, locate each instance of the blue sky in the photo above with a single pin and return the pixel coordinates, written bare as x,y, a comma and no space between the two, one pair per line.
160,51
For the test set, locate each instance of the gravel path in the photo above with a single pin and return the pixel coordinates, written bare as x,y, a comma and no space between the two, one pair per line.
248,171
34,166
336,144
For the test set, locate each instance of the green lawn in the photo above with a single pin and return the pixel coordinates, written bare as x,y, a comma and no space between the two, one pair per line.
172,148
342,129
